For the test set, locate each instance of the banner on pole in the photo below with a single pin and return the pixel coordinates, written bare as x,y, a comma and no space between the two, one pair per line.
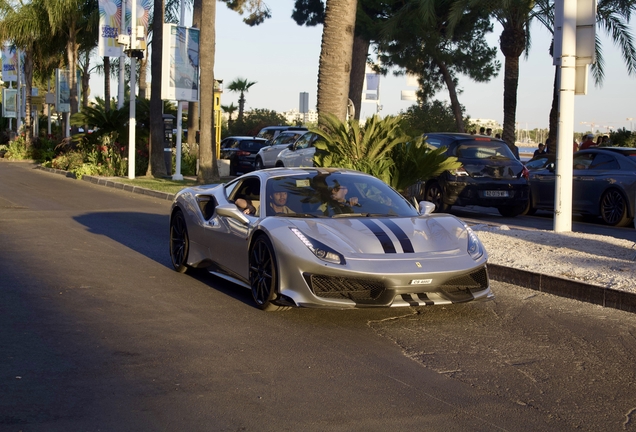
62,90
109,25
180,80
9,103
9,64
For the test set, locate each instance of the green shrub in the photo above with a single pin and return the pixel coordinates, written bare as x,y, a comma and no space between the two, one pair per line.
18,150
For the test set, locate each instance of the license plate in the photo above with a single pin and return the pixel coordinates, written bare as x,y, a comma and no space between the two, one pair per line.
496,194
421,281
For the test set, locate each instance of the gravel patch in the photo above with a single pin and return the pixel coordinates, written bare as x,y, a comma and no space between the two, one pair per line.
595,259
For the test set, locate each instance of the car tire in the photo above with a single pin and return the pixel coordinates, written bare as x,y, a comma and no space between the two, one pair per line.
279,164
179,242
263,275
613,208
513,210
258,164
435,195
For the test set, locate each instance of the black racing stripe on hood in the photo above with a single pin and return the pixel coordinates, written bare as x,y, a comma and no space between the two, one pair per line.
407,246
385,240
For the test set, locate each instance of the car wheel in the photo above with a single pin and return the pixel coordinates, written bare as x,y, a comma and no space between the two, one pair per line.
279,164
263,275
179,242
435,195
258,165
512,211
614,208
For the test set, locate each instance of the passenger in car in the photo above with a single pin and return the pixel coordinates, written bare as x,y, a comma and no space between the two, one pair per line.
339,202
278,201
245,206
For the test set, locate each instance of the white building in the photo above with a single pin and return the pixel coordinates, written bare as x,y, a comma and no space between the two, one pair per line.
293,116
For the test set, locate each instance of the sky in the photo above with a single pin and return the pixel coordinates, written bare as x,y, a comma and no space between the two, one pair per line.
282,58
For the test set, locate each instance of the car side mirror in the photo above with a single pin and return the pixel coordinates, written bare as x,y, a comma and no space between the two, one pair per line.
231,211
551,166
291,147
426,207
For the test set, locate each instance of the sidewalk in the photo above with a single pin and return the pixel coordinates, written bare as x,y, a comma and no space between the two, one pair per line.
558,286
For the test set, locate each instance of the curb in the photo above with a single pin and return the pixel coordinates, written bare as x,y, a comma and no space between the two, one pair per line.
594,294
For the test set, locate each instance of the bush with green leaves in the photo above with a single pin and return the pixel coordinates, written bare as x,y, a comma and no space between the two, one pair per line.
380,148
623,138
18,150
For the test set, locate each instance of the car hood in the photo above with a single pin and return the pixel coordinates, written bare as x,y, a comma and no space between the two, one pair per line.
499,169
363,236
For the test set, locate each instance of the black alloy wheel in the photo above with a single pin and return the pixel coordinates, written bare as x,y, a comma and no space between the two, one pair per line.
263,275
179,242
614,208
435,195
258,165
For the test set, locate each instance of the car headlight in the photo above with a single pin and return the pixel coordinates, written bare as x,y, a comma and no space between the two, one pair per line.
475,249
321,250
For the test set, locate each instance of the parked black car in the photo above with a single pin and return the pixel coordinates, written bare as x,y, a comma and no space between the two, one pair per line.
603,184
490,175
241,151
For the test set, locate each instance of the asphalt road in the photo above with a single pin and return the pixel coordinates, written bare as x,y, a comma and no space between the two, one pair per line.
98,333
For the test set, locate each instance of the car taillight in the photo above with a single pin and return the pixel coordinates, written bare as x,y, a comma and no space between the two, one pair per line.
242,153
460,172
525,173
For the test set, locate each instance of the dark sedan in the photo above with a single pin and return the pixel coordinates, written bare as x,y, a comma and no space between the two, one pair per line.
603,184
490,175
241,151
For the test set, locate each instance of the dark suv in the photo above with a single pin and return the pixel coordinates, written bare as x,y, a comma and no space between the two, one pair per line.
241,151
490,175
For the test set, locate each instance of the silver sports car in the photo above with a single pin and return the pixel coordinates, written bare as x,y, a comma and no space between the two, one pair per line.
329,238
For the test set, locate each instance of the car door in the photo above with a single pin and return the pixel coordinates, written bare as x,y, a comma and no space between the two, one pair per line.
293,158
542,187
591,175
228,236
305,155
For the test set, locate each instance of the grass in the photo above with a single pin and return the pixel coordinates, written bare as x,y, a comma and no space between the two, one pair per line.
159,184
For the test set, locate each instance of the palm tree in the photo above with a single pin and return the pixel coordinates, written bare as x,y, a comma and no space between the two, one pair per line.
70,18
612,16
208,171
27,28
229,110
241,86
156,164
514,16
336,53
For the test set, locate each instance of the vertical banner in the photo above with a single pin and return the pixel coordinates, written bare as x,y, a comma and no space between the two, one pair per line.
62,90
9,103
143,15
181,61
109,25
9,64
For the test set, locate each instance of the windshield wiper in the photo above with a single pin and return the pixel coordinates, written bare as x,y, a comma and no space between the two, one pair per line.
344,215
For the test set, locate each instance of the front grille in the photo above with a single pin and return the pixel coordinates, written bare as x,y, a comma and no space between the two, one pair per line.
460,287
336,287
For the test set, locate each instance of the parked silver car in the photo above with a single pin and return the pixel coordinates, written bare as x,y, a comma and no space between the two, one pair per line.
299,154
266,157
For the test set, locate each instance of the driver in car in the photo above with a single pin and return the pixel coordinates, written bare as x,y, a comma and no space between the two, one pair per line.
278,200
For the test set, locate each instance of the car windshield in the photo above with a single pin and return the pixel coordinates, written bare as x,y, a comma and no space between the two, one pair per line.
252,146
339,194
481,150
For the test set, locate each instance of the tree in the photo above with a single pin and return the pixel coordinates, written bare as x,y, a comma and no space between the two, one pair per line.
241,86
71,18
156,163
27,27
514,16
430,116
229,110
613,16
193,107
380,148
335,58
208,170
255,120
416,38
